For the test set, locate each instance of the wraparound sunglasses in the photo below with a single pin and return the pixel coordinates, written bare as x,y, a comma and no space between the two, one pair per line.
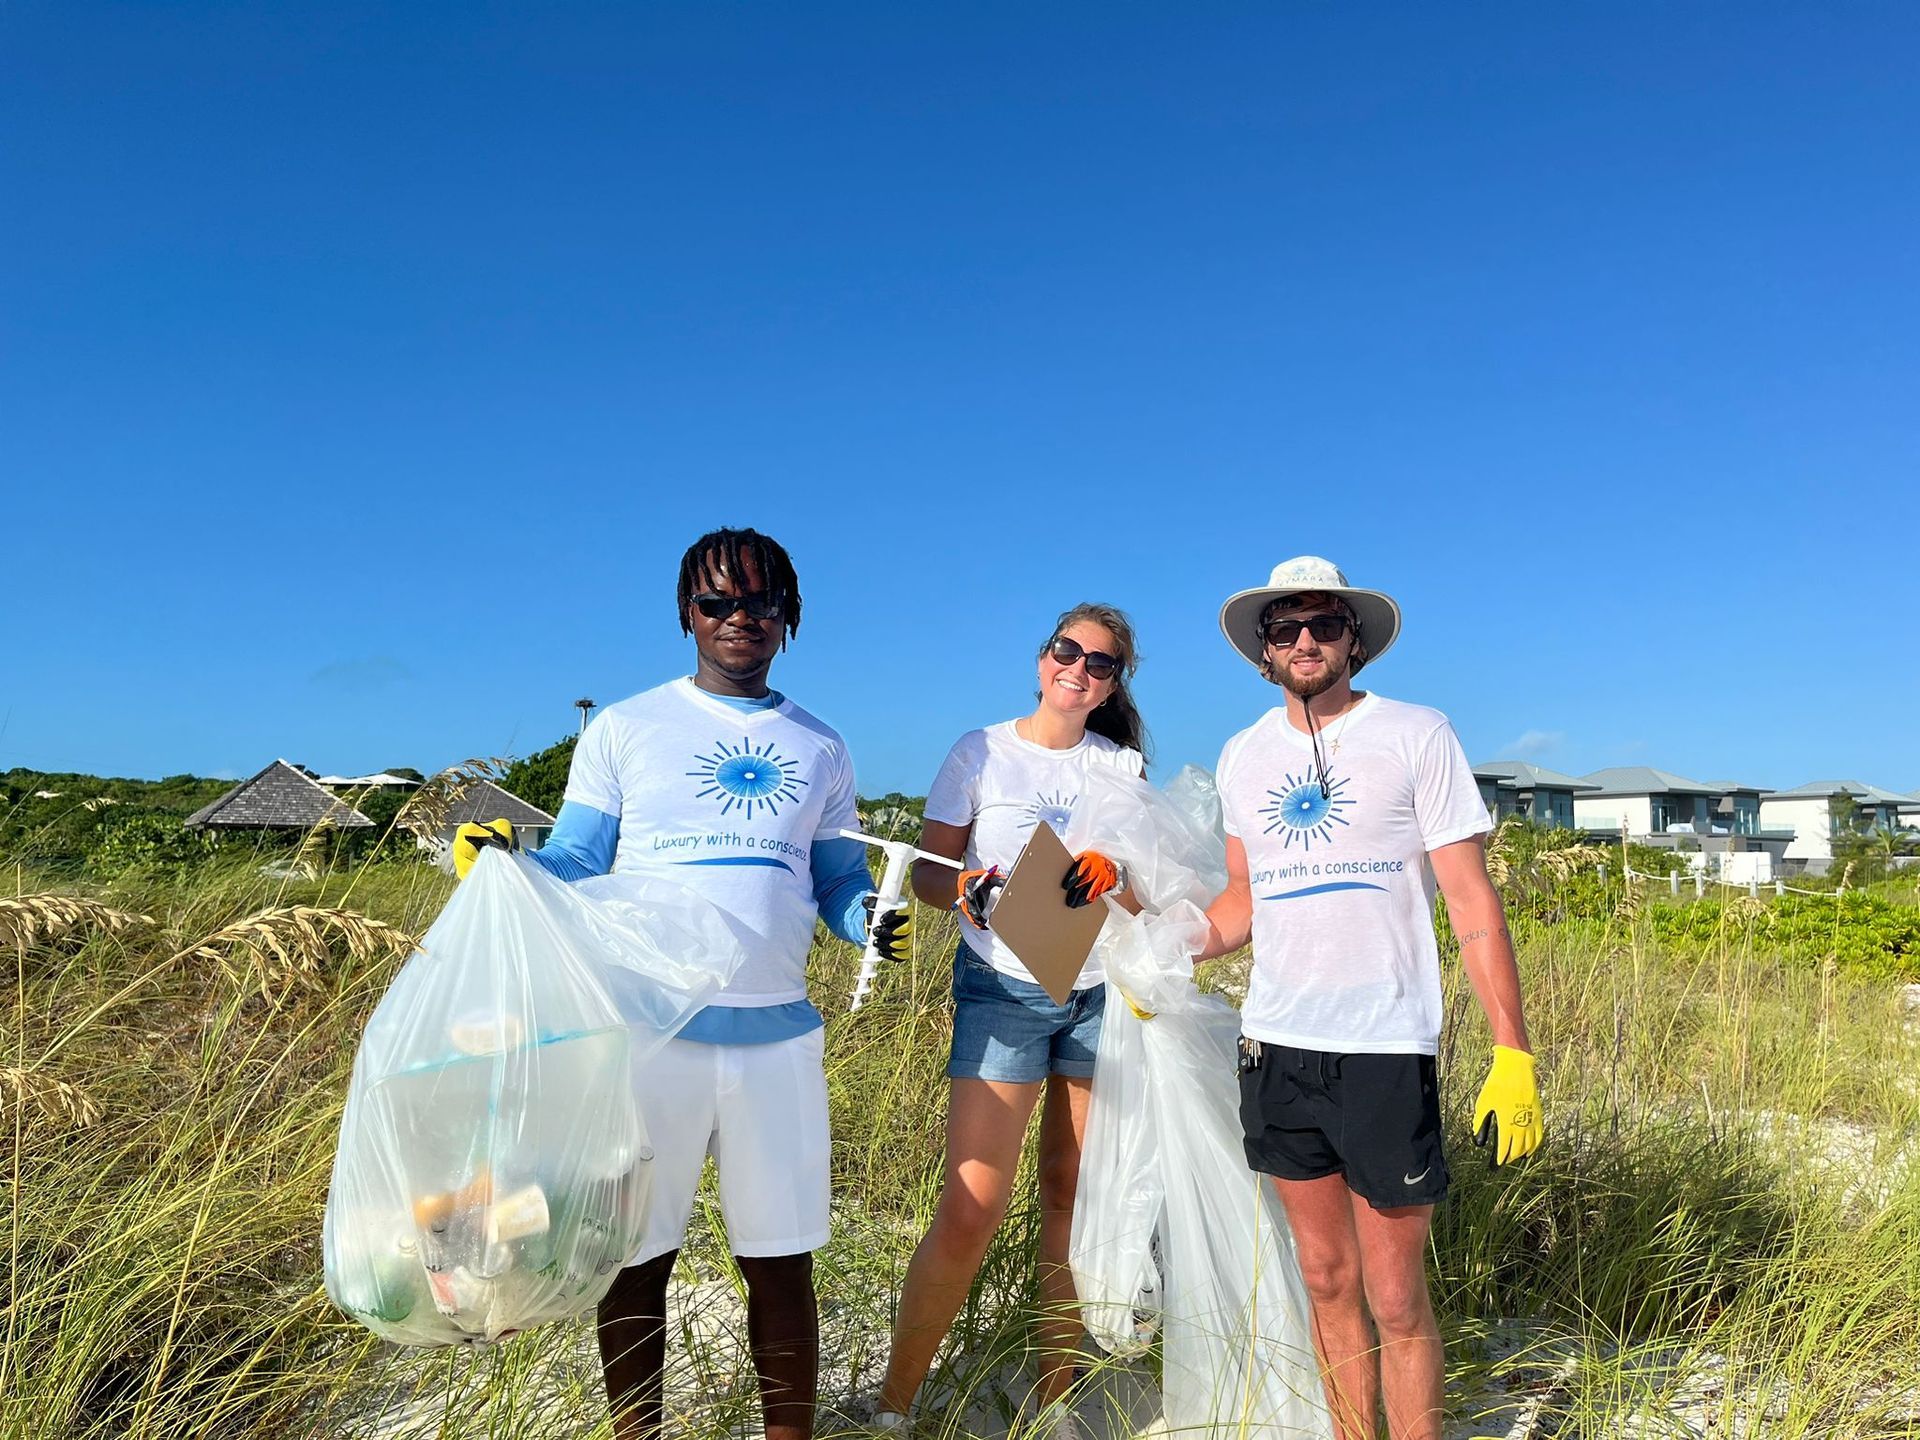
1324,628
759,604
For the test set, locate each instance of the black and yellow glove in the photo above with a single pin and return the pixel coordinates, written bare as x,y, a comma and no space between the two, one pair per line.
892,932
974,893
1507,1114
468,839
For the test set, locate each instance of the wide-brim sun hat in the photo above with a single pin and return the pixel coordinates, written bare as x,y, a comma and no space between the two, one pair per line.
1375,613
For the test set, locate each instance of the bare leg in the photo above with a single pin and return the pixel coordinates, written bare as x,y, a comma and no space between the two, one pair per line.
986,1121
1321,1214
1063,1126
1393,1246
783,1331
633,1346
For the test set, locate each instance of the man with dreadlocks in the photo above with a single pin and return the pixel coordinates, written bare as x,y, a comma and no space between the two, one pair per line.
1342,810
724,785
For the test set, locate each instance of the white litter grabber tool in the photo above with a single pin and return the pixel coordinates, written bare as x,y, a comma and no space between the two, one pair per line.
893,890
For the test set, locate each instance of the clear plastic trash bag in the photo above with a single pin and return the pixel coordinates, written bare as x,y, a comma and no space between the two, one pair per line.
1167,1202
1116,1217
493,1171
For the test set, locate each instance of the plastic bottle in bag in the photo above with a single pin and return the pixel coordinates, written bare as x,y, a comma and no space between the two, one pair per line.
493,1171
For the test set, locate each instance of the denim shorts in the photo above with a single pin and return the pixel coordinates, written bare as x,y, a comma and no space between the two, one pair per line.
1011,1030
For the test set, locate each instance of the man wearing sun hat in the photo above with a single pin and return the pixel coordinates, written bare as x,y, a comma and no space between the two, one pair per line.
1343,811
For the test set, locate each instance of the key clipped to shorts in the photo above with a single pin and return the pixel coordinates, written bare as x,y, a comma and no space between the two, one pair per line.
1249,1054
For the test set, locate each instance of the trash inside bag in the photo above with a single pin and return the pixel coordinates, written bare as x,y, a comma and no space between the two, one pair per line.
1171,1230
493,1169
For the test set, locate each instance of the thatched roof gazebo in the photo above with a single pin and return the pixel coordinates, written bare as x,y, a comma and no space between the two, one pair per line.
280,797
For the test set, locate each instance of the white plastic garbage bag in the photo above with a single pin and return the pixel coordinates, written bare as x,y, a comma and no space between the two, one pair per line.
493,1172
1121,1198
1166,1198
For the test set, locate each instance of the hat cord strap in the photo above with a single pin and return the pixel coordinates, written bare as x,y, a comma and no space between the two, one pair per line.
1319,758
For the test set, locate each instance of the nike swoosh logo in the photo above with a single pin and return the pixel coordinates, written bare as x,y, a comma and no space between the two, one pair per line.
1415,1179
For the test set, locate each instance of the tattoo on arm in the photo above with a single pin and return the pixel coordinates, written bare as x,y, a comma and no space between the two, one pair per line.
1473,935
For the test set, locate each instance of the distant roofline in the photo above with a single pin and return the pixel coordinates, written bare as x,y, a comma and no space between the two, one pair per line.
1541,778
1858,789
210,812
1685,786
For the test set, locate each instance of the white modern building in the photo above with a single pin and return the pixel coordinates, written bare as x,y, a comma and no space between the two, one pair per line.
1807,810
1657,802
1720,818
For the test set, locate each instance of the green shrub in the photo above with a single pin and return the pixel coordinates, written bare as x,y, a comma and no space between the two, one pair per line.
1860,931
152,839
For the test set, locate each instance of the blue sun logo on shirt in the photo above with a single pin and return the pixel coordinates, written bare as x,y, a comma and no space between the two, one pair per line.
1303,811
1055,810
748,778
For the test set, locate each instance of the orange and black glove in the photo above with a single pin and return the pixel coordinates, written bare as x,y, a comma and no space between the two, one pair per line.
468,839
892,932
1090,876
974,893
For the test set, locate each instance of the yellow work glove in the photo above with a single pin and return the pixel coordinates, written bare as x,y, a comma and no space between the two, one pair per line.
468,839
1508,1110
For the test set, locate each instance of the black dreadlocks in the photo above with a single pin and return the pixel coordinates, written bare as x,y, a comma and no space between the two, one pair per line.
729,551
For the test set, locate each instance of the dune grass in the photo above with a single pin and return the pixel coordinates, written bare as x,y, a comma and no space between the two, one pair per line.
1725,1222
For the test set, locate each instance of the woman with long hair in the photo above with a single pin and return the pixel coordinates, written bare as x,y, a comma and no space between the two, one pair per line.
1012,1043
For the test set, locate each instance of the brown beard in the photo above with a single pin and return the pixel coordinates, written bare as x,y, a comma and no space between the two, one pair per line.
1307,689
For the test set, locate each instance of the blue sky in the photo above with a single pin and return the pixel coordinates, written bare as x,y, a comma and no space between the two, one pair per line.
364,370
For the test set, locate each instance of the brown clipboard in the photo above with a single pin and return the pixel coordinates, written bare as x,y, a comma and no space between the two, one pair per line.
1031,915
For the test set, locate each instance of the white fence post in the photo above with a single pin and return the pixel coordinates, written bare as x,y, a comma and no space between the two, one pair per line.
1779,887
1699,886
1673,883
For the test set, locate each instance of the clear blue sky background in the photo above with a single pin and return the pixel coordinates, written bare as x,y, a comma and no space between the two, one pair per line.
365,369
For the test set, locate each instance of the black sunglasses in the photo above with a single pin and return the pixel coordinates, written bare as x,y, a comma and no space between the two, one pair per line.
759,605
1324,628
1100,665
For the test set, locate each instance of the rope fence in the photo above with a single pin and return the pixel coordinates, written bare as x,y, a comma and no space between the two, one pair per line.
1701,880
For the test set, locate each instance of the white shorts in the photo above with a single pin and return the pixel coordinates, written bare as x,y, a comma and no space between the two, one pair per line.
761,1112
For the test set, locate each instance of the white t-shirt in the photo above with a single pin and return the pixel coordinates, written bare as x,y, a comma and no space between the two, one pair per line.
729,803
1343,947
1003,786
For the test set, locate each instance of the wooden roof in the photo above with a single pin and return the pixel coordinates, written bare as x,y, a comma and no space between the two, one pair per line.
483,801
280,797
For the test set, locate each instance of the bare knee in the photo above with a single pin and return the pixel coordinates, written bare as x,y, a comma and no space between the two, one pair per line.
1400,1306
1059,1181
964,1223
639,1292
777,1274
1332,1277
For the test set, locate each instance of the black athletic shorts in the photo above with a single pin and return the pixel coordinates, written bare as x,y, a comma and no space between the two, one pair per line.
1308,1114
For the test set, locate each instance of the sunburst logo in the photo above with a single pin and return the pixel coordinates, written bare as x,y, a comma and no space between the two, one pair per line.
1055,810
748,778
1305,813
